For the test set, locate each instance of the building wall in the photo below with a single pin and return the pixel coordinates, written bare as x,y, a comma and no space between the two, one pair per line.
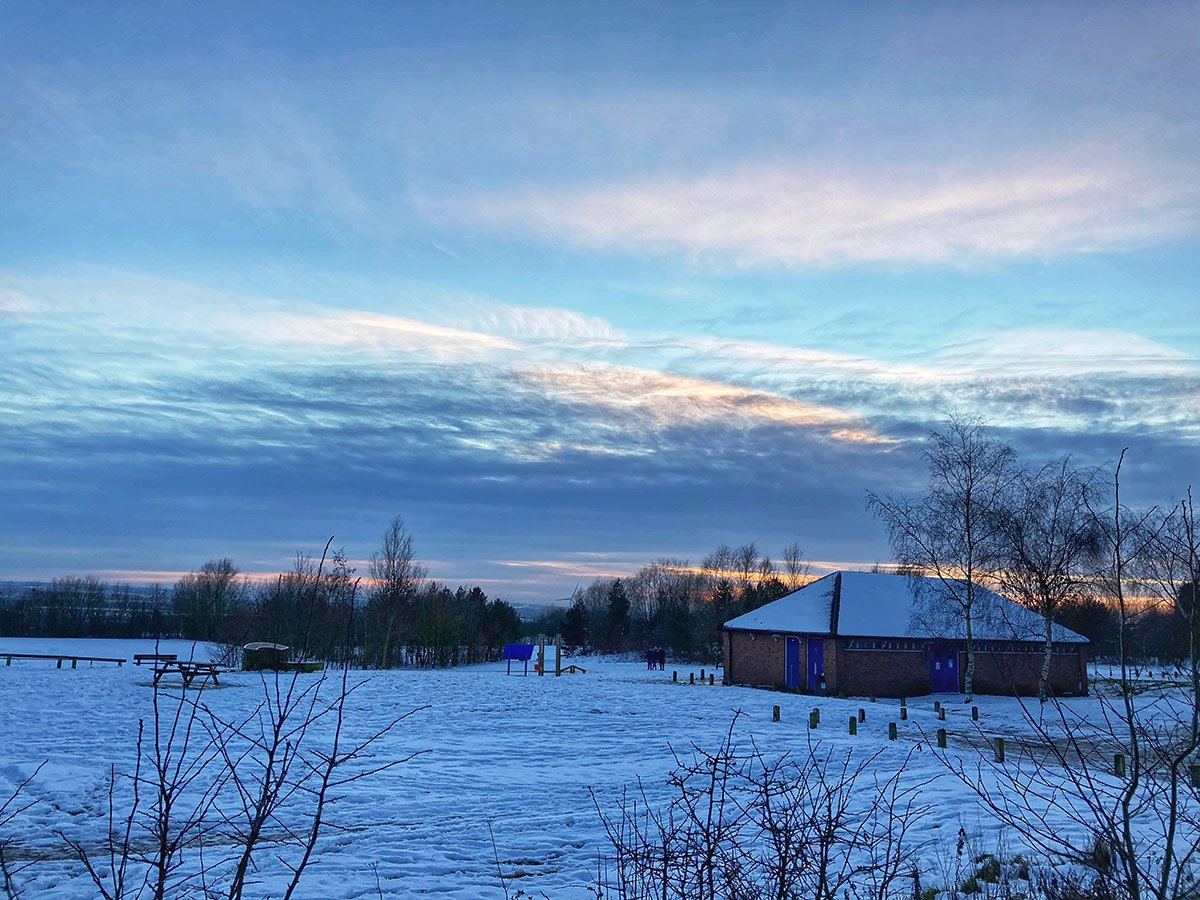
1001,673
878,673
753,658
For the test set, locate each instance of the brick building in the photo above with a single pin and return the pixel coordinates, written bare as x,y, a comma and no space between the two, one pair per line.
859,633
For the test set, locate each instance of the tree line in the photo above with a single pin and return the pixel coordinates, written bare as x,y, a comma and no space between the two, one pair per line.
675,605
321,609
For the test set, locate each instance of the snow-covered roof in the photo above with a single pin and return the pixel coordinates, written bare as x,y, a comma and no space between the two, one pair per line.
873,604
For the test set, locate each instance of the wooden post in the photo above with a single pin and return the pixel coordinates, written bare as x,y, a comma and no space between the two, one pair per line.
853,725
712,679
941,738
817,713
541,655
557,655
701,674
904,712
8,660
814,719
675,677
975,713
998,748
862,714
941,714
872,699
937,704
775,713
891,731
904,701
59,666
1119,765
74,662
691,677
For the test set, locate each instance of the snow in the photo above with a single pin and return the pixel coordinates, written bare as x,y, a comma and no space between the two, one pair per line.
807,610
874,604
522,752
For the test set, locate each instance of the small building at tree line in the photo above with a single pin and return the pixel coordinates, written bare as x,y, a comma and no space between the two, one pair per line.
867,633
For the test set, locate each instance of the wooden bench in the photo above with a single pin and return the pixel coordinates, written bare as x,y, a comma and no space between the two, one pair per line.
9,657
189,670
139,658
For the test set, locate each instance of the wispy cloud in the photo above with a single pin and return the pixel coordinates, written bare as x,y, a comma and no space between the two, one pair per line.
826,214
13,303
664,400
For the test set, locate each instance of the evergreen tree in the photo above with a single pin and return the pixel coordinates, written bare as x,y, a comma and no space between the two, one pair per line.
618,616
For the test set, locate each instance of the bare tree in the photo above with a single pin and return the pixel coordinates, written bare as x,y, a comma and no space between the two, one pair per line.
1050,545
10,809
397,578
1137,830
736,823
204,599
796,569
950,531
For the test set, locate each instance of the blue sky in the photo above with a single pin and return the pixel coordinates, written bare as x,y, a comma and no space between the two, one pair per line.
571,287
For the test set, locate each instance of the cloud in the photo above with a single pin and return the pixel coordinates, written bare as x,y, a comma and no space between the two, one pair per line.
14,304
827,214
359,330
662,400
1066,351
538,324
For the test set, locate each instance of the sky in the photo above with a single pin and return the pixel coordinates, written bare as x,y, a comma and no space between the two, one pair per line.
571,287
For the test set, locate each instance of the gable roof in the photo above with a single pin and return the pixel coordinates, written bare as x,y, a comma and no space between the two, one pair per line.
874,604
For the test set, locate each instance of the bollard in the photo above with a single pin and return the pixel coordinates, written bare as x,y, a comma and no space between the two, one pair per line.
59,666
942,713
941,736
975,713
675,678
74,663
904,712
862,714
817,714
775,713
904,701
998,749
701,674
1119,765
937,704
814,719
891,731
853,725
691,677
712,679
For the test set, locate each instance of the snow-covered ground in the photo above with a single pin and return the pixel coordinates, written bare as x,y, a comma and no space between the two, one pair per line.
522,752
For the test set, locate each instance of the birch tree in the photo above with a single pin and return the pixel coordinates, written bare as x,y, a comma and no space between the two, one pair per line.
1050,545
950,531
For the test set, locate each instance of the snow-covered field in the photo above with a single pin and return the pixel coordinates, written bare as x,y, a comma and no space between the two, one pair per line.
522,752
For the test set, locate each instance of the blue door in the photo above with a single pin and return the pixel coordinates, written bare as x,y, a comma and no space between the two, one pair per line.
943,669
816,664
791,662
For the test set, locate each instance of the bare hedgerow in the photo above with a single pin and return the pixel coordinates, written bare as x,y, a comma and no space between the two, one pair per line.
737,823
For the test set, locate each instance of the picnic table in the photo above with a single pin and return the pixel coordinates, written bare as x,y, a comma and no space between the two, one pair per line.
139,658
188,669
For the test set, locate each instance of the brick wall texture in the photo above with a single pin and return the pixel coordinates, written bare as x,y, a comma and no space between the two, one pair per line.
754,658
